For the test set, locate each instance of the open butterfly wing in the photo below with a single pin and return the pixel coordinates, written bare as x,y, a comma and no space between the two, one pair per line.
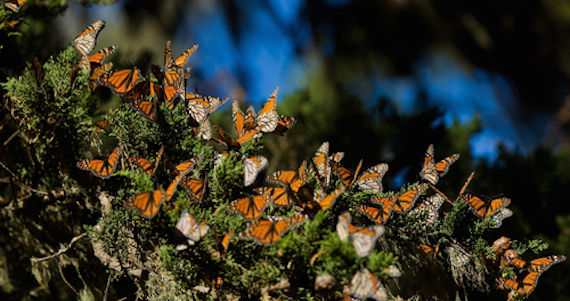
379,216
250,208
147,204
101,168
406,201
121,81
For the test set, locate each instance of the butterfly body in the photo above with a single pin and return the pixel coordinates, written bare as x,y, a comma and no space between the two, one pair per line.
101,168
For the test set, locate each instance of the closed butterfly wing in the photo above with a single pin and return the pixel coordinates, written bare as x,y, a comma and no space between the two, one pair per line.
287,178
500,215
429,170
267,118
86,40
14,5
343,225
406,200
203,131
228,140
121,81
371,179
321,161
483,208
147,204
252,166
347,176
458,256
250,208
365,285
101,168
187,228
429,210
239,118
364,240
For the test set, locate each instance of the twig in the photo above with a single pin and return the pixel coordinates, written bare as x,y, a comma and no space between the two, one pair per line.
22,183
65,280
107,288
11,137
62,250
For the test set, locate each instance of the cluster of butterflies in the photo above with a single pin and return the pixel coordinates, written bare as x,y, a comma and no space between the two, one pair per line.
526,281
305,188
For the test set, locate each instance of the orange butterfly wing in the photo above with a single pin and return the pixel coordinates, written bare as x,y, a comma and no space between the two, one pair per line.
284,123
379,216
97,73
96,60
121,81
250,208
482,208
195,188
327,201
101,168
147,204
267,118
267,232
406,201
281,196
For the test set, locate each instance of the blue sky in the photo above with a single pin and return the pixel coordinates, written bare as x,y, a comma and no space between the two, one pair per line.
266,57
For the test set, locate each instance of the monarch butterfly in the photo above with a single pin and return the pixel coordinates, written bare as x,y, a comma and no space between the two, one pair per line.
86,40
284,123
170,63
251,166
482,208
203,131
145,165
226,240
14,5
457,255
195,188
120,81
393,271
432,171
500,215
461,192
142,90
97,73
243,122
343,224
188,229
290,180
250,208
147,204
364,240
101,168
428,250
101,125
322,163
371,179
379,216
174,86
404,202
536,265
10,24
365,285
96,60
431,205
325,201
267,232
267,118
522,285
232,143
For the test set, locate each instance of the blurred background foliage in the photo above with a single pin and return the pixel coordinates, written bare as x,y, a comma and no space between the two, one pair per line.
379,80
